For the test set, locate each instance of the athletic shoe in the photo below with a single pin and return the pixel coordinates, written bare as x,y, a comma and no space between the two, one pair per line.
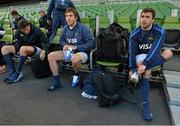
75,80
53,87
134,77
17,76
9,76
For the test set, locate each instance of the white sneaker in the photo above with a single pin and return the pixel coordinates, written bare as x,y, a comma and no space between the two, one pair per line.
134,77
75,80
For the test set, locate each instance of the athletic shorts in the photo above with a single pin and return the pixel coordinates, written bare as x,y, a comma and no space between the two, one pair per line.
37,51
140,58
83,55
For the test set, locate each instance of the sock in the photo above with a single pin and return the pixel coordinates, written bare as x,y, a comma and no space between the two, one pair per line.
159,61
8,59
56,80
22,59
145,96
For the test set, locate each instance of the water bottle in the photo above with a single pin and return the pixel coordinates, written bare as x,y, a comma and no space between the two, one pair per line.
68,54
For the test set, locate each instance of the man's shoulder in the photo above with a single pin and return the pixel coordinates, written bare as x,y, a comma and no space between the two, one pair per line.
83,27
135,31
158,28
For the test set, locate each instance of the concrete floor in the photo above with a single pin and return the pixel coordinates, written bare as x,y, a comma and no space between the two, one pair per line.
28,103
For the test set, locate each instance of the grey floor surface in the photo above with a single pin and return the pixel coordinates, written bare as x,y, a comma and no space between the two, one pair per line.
28,102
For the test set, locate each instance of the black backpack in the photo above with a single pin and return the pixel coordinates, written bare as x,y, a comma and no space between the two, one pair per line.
112,43
109,89
40,69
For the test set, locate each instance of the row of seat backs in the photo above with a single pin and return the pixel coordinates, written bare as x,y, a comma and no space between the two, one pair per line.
172,39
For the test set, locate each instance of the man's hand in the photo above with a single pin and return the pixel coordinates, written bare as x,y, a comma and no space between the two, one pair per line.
42,55
49,22
69,46
73,47
65,47
141,69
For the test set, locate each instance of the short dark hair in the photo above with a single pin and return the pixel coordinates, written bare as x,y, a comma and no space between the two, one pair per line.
74,11
14,12
152,11
23,23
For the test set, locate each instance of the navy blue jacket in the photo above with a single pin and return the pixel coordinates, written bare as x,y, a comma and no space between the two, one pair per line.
80,36
35,38
148,42
58,12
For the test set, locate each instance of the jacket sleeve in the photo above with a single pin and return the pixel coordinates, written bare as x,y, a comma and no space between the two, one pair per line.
44,41
155,49
88,41
50,9
132,53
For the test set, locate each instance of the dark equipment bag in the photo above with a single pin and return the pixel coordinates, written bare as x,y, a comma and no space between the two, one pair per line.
40,69
112,43
109,89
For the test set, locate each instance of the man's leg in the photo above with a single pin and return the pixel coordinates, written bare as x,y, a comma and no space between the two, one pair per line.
165,55
145,87
55,26
24,52
76,60
53,59
7,52
63,20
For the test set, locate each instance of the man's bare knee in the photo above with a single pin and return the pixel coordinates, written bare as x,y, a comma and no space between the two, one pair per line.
6,50
51,56
76,59
167,54
23,50
55,56
147,74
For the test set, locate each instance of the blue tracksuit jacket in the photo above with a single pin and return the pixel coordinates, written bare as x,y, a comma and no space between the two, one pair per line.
80,36
148,42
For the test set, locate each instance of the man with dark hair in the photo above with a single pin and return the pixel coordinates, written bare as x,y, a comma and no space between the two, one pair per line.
58,7
16,17
145,46
77,41
29,41
43,22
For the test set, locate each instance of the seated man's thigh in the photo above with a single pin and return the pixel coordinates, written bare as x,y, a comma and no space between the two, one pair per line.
56,55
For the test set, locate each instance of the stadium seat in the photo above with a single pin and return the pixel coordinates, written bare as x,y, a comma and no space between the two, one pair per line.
172,39
171,23
8,38
56,39
59,31
43,29
125,22
104,22
9,31
85,21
